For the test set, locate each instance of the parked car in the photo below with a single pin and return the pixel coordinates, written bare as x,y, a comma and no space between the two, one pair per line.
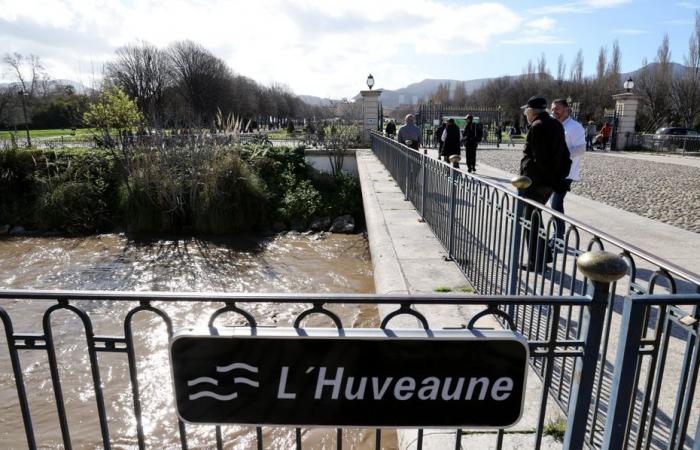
676,131
676,139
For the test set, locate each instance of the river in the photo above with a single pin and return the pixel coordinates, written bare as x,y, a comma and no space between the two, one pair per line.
312,263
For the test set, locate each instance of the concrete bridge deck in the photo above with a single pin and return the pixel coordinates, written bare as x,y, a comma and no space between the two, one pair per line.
408,258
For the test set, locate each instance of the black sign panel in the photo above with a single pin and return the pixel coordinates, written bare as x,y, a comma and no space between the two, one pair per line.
454,378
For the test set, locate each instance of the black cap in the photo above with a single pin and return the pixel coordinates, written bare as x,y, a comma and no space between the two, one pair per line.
536,103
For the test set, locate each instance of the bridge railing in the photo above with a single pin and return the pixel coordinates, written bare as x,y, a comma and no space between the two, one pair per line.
64,352
493,235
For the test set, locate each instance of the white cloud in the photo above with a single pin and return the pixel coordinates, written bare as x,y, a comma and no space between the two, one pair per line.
579,7
315,47
688,5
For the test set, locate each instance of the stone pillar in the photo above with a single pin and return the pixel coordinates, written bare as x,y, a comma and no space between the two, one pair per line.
626,105
370,113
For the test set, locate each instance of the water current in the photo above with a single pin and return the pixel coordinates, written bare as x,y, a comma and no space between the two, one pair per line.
286,263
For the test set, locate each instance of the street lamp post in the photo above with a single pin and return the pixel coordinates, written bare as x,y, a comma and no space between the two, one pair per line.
628,85
23,94
370,81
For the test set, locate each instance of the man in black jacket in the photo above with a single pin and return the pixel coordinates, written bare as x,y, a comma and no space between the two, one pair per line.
546,162
473,133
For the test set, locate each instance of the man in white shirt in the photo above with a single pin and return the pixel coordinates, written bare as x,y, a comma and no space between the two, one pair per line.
576,142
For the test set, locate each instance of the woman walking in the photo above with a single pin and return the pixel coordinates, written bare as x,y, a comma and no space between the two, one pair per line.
452,137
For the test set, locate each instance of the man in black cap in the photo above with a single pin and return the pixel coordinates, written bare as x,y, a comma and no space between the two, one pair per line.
473,133
546,162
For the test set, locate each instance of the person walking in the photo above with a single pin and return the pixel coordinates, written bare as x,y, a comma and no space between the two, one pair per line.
452,137
499,136
575,137
409,133
511,133
590,135
391,129
473,133
438,136
605,133
546,162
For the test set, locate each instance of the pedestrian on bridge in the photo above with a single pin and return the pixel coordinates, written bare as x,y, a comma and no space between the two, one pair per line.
391,129
473,133
452,138
409,133
575,137
546,162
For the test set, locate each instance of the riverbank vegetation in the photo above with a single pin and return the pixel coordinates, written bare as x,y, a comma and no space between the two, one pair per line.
185,188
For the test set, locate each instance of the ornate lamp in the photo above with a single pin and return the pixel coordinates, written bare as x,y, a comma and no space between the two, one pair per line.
628,85
370,81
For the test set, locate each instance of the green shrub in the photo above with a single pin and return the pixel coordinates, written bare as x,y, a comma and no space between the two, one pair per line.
74,206
300,201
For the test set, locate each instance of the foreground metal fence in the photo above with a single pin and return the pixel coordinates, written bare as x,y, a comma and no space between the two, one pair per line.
44,338
487,230
664,143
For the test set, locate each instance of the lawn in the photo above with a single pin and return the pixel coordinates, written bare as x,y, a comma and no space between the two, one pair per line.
81,132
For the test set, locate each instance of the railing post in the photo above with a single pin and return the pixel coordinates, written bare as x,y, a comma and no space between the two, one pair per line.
424,177
521,182
451,213
405,175
622,391
602,268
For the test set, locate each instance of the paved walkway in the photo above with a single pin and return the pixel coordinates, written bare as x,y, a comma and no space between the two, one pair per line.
408,258
673,244
692,161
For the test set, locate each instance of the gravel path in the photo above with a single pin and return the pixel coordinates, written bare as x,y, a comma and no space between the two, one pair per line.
668,193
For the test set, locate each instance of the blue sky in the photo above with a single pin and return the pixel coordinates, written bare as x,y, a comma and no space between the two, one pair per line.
327,48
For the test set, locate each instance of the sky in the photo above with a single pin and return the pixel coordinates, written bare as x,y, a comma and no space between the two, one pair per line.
327,48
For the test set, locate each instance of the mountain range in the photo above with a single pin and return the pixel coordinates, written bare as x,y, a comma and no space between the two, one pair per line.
415,92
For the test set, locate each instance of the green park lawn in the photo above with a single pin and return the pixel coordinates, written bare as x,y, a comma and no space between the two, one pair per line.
81,132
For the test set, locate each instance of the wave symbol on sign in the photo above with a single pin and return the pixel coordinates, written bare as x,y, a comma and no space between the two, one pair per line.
214,382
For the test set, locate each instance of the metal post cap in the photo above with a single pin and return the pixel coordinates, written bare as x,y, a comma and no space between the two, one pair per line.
604,267
455,159
521,182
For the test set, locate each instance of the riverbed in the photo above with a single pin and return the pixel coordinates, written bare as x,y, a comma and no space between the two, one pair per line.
300,263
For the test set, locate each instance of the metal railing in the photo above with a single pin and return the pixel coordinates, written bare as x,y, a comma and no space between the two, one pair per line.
664,143
487,230
83,314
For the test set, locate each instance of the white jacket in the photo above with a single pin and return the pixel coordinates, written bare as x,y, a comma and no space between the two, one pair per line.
576,141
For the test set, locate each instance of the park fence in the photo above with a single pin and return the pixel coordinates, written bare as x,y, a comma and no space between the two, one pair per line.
683,145
647,362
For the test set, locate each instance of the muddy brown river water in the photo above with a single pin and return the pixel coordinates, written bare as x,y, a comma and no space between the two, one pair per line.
286,263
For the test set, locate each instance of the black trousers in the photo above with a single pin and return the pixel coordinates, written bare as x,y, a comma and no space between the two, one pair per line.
470,149
536,246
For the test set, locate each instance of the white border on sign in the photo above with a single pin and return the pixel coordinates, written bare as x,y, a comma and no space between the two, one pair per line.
355,333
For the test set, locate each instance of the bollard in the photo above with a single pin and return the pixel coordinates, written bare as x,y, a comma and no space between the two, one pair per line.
602,269
520,182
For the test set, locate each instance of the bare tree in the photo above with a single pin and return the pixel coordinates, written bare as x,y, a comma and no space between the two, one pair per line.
202,79
542,70
29,72
654,84
576,73
460,94
561,69
686,88
601,64
143,72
